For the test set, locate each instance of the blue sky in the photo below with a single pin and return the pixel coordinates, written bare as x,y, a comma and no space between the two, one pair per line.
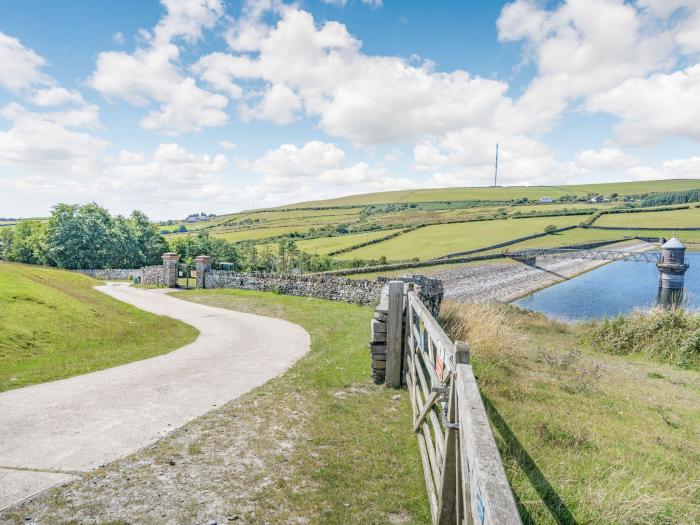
186,105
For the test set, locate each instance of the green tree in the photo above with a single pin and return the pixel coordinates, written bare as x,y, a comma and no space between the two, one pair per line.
550,228
221,250
5,242
79,236
27,243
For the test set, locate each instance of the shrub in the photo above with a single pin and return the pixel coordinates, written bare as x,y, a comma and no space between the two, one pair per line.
550,228
671,336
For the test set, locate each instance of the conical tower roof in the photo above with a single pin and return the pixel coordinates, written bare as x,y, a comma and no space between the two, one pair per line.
673,243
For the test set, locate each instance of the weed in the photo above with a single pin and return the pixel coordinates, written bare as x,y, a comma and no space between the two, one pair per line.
554,434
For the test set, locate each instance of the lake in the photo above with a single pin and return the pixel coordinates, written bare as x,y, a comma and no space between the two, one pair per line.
616,288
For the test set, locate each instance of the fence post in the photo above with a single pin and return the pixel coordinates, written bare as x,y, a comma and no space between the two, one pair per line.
202,264
394,348
170,269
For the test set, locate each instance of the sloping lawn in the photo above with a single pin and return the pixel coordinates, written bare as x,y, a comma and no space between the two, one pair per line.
54,325
585,436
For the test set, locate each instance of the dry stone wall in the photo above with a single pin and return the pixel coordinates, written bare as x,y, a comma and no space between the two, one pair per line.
358,291
111,274
152,275
430,291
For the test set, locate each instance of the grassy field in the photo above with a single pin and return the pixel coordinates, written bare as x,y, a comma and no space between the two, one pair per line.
54,325
586,437
401,209
563,239
689,218
438,240
505,193
325,245
320,444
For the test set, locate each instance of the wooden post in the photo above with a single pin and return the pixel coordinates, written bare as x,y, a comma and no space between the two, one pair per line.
406,335
393,332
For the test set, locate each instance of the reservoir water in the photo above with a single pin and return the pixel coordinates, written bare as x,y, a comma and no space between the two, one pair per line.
616,288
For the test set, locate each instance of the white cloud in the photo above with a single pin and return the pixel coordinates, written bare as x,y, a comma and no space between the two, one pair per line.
581,47
21,66
40,140
118,38
152,72
315,170
279,104
290,161
227,144
321,72
654,108
56,96
427,156
605,159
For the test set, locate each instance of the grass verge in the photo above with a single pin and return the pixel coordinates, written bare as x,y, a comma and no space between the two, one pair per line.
320,444
586,437
54,325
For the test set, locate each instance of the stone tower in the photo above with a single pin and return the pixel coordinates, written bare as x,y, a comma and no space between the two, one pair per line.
672,266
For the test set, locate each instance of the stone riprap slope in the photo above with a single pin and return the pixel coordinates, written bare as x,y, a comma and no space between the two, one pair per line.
505,282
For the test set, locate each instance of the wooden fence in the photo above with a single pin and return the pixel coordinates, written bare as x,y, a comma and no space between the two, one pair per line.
463,471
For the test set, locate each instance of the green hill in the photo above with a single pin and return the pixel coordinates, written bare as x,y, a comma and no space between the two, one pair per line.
504,193
54,325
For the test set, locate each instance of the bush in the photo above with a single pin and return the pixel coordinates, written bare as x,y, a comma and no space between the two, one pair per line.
550,229
672,336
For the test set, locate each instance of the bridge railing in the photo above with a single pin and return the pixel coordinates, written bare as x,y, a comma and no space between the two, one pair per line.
463,472
595,255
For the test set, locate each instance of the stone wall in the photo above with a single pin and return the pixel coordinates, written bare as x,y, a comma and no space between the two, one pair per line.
112,274
152,275
430,291
358,291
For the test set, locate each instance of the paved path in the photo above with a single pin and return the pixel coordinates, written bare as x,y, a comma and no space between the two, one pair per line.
52,432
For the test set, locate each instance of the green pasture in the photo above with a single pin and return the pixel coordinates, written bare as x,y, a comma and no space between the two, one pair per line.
324,245
54,325
506,192
688,218
564,239
257,233
442,239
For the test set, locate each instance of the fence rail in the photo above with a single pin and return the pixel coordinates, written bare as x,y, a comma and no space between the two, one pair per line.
595,255
464,475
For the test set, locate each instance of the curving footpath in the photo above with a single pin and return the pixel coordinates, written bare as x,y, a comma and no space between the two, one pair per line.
52,432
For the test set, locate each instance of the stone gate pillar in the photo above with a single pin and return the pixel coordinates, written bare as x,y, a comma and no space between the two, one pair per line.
170,269
202,265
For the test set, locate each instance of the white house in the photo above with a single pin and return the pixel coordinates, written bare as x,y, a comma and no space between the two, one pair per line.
546,200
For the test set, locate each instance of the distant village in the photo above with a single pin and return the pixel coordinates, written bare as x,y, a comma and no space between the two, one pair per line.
199,217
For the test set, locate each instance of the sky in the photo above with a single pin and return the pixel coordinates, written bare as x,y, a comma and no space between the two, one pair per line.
183,106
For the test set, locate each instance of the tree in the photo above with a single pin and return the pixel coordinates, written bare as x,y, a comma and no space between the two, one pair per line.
89,237
550,228
191,246
26,243
5,242
79,236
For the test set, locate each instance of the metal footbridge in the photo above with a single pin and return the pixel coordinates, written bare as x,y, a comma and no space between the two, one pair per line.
576,253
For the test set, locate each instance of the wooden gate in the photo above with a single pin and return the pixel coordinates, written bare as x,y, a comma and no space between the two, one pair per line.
463,471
